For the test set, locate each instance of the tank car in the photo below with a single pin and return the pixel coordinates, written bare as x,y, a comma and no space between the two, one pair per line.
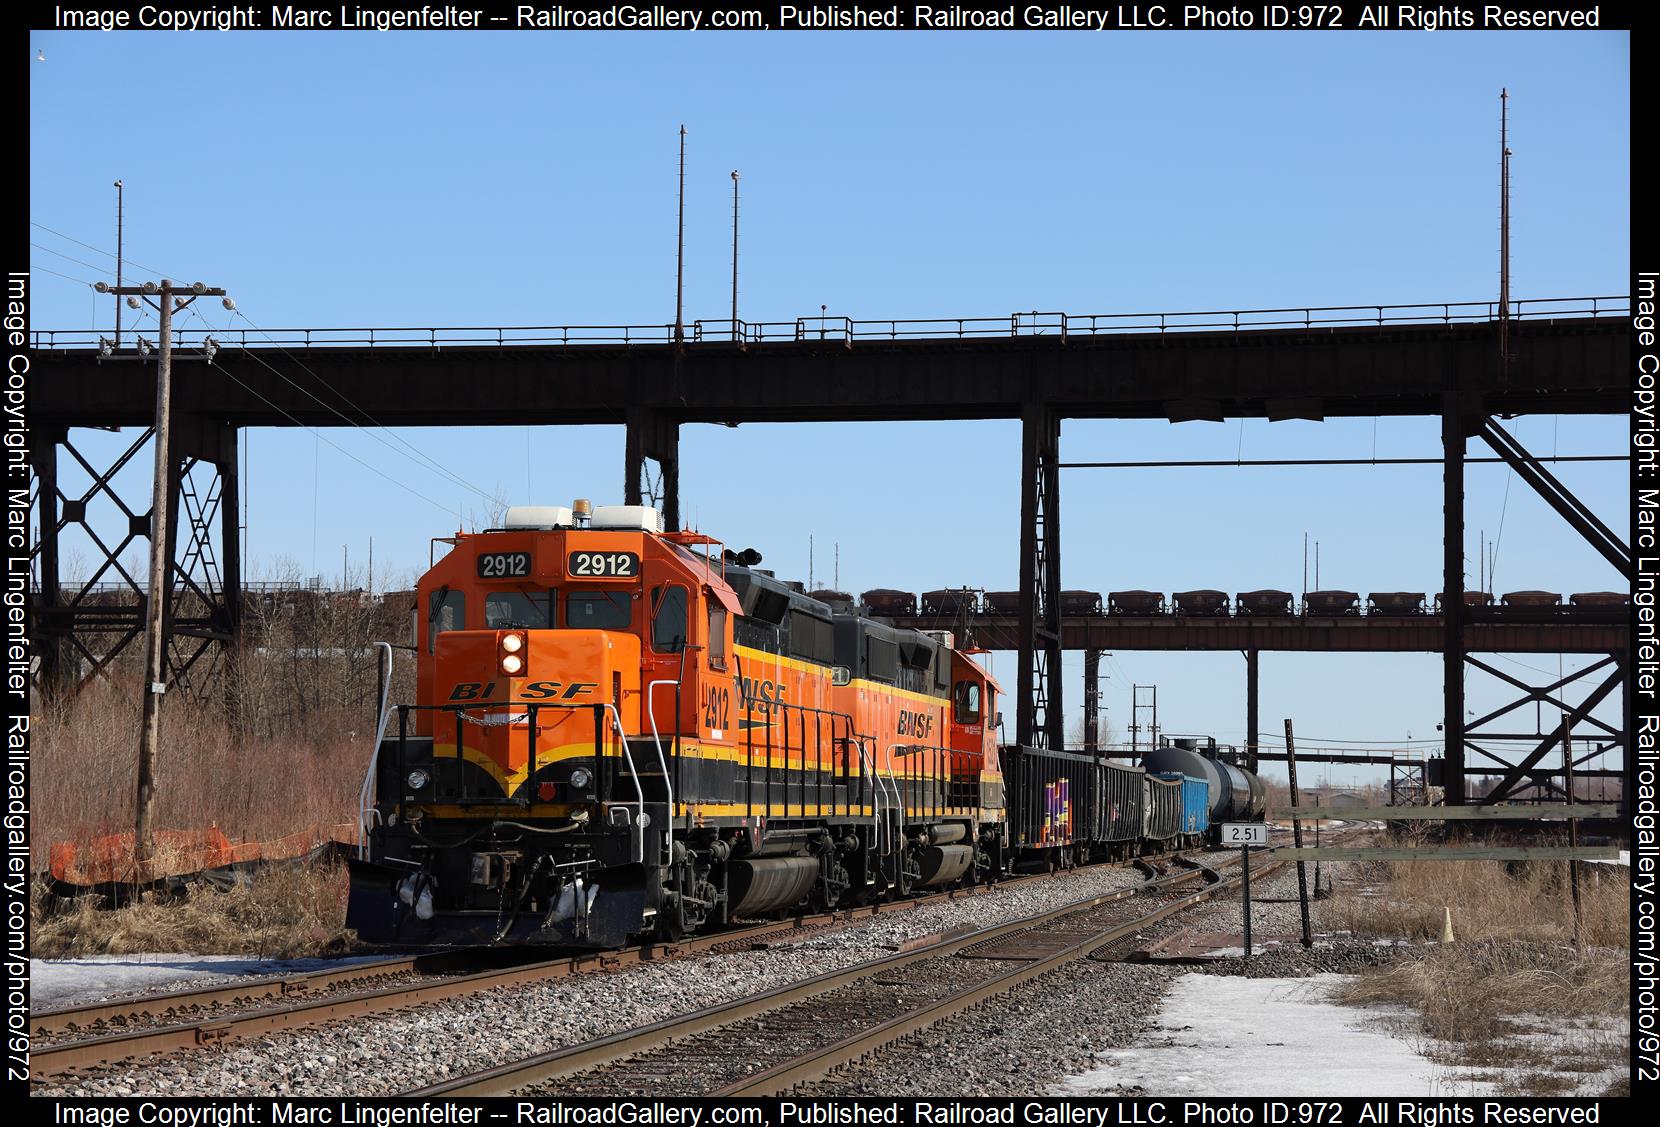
1236,795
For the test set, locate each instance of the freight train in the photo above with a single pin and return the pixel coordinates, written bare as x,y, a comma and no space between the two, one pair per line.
623,732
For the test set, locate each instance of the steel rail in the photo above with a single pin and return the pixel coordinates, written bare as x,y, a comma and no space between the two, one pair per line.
573,1059
52,1060
66,1056
817,1063
71,1018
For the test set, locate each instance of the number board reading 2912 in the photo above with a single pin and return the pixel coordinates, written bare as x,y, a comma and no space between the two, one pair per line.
503,565
603,565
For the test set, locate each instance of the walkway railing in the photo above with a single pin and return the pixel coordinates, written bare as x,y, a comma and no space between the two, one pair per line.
847,330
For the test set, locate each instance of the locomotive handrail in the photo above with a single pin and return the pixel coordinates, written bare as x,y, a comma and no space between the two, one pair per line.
866,761
366,809
668,783
639,788
531,708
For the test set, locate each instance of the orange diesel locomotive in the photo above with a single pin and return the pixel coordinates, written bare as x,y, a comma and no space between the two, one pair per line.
623,732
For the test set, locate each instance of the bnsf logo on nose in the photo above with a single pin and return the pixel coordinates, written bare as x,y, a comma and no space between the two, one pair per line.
536,690
916,723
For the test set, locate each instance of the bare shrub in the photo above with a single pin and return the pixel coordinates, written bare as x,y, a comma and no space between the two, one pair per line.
280,913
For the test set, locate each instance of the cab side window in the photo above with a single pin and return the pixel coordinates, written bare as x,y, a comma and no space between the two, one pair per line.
668,622
717,635
967,702
446,610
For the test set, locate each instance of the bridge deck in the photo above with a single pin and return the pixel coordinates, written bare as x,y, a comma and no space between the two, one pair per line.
1566,364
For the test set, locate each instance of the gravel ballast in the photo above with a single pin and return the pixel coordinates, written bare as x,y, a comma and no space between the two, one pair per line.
390,1053
1064,1023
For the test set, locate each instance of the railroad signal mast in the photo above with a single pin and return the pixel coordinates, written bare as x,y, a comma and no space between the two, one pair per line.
165,300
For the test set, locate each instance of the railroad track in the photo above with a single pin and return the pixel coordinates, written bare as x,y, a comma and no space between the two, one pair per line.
192,1019
796,1032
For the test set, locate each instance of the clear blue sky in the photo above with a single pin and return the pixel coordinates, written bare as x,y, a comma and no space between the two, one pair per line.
484,179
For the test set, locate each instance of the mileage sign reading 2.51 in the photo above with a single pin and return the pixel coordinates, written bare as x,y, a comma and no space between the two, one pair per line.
604,565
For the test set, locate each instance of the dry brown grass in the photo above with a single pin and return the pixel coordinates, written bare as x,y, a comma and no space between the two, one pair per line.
284,751
280,913
254,787
1513,968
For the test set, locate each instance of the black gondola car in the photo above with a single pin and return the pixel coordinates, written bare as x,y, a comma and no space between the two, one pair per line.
1067,807
1395,602
1275,604
1475,600
1201,603
951,601
885,600
1135,602
1003,602
1331,603
1601,599
1080,602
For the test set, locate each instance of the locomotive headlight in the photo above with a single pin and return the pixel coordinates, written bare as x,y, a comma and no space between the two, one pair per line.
511,663
512,643
417,779
580,778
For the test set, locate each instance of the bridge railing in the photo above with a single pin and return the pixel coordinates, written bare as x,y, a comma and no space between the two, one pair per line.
848,331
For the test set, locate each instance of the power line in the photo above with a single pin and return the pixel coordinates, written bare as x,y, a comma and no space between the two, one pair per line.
319,436
420,454
345,418
45,270
100,250
68,257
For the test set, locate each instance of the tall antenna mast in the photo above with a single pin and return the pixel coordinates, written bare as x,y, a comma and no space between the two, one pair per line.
1504,236
734,255
680,249
120,194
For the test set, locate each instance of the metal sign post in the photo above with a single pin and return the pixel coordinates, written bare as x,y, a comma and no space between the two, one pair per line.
1245,835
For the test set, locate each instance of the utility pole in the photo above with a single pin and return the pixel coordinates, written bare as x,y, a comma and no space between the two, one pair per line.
155,603
734,255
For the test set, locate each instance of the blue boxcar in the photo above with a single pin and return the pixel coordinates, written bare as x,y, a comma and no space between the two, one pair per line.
1195,803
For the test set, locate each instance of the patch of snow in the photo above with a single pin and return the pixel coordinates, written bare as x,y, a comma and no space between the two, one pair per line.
57,983
1625,859
1224,1036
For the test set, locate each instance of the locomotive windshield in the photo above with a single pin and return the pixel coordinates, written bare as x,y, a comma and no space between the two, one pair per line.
598,610
508,610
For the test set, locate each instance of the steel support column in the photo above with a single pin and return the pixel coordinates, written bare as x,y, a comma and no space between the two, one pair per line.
653,436
85,631
50,641
1253,743
1092,701
1452,599
1040,719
